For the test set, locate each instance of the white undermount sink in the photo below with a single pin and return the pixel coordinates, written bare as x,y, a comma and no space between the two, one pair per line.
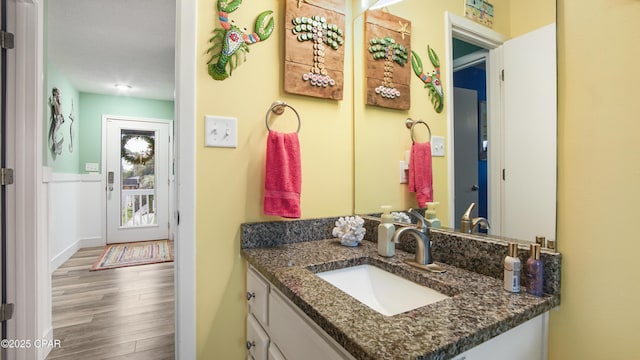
380,290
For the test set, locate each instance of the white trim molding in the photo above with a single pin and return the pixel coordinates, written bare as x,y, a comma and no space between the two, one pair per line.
185,243
33,282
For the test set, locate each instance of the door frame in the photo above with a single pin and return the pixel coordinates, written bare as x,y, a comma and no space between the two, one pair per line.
476,34
103,172
32,277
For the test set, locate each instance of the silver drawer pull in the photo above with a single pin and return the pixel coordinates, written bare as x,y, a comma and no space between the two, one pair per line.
250,344
250,295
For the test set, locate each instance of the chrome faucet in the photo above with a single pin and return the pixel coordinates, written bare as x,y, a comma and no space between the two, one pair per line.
468,224
421,234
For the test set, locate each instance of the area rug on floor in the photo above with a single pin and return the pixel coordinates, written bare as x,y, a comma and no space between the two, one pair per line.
132,254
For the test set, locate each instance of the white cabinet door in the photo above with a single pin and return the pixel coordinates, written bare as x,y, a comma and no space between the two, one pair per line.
524,342
274,353
258,296
297,336
257,339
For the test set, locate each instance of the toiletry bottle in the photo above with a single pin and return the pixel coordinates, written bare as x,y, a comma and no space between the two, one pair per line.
431,218
535,271
512,268
386,246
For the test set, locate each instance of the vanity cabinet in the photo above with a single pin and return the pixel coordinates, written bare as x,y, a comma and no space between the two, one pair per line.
278,330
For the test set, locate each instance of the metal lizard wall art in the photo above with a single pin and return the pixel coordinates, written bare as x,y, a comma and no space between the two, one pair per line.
57,119
71,119
432,79
229,41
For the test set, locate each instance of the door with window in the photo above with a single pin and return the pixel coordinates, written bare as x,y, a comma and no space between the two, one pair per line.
137,171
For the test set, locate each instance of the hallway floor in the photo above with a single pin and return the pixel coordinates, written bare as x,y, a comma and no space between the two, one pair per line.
117,314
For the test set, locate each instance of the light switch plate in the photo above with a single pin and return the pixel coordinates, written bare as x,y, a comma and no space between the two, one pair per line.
437,146
221,131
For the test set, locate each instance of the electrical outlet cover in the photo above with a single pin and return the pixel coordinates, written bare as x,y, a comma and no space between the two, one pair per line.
221,131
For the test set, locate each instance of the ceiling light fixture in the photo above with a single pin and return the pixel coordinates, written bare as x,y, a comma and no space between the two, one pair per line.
123,86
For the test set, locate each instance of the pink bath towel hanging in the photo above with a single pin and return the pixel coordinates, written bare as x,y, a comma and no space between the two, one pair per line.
283,176
420,173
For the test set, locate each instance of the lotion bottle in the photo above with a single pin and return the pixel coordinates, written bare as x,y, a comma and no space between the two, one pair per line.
386,246
535,271
512,268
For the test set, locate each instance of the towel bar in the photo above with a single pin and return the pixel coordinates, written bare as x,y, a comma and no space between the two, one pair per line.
278,107
409,123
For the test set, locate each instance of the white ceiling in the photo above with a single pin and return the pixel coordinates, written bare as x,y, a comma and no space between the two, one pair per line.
99,43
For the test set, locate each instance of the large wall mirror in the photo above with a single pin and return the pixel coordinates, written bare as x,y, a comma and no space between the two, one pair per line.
499,127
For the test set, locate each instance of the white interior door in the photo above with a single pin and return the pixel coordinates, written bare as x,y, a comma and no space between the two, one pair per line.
137,170
529,203
465,126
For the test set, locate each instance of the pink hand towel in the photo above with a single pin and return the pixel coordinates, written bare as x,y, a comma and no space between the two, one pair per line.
420,173
283,177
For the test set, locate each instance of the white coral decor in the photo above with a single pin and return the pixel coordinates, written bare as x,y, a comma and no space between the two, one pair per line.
350,230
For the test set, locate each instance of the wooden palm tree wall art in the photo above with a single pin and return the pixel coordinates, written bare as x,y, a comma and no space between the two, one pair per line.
387,49
314,48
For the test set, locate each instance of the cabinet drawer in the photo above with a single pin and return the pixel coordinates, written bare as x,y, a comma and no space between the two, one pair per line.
257,340
258,296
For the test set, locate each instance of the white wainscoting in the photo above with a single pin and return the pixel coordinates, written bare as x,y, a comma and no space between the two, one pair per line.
75,214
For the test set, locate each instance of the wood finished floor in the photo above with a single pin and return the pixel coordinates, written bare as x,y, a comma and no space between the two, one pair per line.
117,314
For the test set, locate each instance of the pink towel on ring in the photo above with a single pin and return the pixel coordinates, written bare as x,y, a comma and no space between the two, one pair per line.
420,173
283,176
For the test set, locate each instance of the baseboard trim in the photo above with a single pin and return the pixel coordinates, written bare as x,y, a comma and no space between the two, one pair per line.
65,254
92,242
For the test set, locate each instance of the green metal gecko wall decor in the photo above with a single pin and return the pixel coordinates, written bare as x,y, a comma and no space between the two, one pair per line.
229,41
432,79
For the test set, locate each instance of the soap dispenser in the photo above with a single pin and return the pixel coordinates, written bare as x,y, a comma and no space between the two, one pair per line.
431,218
535,271
386,246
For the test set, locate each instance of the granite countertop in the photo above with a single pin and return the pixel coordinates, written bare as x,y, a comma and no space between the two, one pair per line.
477,310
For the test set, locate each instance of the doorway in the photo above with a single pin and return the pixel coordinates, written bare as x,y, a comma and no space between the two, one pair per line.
479,51
470,129
138,158
32,317
521,127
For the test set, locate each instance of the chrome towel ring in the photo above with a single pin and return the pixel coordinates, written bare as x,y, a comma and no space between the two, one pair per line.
410,124
278,107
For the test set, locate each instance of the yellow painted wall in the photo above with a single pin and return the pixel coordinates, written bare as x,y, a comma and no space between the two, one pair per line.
230,181
598,178
529,15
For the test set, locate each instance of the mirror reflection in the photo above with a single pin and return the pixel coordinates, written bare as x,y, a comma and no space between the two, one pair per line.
498,136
